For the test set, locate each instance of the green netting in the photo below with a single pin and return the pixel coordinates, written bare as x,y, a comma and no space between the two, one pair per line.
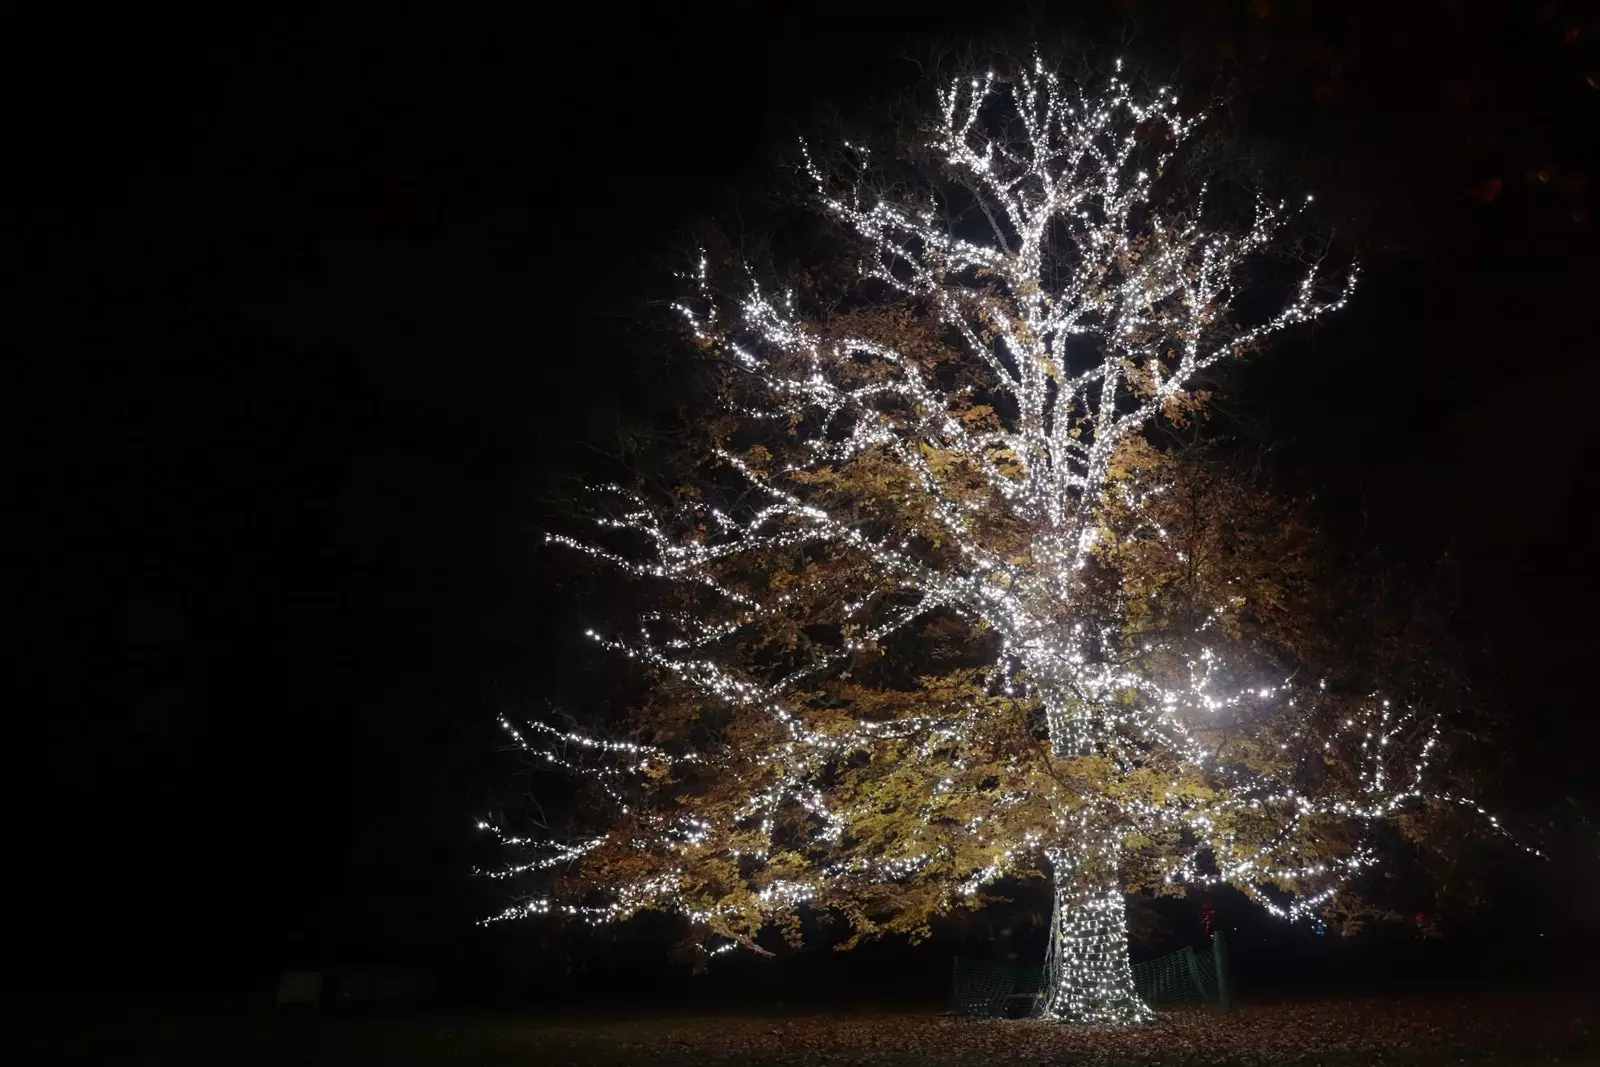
997,990
1185,977
987,990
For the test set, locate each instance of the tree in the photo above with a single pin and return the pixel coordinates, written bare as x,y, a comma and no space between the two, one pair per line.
936,611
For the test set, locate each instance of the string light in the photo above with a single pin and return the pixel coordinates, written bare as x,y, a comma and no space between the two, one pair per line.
1076,256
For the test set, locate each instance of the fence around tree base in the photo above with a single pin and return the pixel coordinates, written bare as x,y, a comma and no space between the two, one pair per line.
1182,979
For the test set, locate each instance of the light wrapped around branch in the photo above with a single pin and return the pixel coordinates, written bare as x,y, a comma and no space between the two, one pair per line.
968,483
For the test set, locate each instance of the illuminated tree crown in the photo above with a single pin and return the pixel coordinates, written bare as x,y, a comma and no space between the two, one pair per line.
952,625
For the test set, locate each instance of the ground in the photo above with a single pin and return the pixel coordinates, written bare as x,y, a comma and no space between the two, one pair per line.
1510,1031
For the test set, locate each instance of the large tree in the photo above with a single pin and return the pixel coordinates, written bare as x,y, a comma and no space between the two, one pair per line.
938,612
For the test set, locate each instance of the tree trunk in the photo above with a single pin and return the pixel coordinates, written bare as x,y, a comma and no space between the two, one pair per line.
1089,977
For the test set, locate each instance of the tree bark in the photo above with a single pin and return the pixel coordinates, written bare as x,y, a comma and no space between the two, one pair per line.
1089,977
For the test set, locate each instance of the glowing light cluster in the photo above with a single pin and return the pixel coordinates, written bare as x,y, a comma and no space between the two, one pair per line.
1084,306
1090,974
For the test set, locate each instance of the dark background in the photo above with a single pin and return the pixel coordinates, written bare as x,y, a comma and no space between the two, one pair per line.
356,294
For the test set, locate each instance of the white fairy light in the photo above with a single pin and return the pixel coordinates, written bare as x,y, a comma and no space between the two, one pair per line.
1076,248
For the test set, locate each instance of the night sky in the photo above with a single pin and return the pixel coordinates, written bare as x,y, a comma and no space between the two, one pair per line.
364,291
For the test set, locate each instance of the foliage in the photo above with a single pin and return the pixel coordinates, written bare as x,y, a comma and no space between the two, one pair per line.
935,611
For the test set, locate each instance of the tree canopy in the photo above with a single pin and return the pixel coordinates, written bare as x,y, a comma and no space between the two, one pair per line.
936,607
